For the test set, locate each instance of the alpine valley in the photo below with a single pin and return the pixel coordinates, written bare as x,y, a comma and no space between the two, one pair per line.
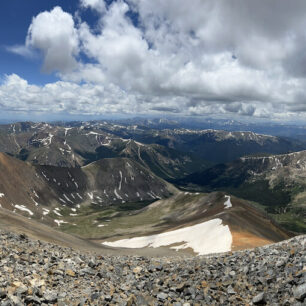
173,190
109,209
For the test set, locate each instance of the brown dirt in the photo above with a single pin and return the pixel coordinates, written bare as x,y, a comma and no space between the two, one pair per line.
246,240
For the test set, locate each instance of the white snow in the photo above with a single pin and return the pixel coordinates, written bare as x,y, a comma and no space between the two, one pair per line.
36,204
117,195
67,198
45,211
2,195
79,196
204,238
57,213
73,215
101,225
90,194
22,207
228,203
35,193
120,183
59,222
62,200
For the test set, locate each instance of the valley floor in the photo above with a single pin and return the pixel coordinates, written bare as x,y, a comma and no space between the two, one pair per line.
34,272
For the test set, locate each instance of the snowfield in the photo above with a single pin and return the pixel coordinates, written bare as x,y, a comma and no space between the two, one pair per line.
204,238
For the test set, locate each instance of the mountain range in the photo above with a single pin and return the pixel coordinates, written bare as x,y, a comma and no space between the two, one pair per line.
111,183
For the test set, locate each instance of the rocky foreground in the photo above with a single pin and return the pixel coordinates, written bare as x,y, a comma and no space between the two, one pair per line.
37,273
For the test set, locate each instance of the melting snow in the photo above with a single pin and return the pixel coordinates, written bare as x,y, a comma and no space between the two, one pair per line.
36,204
117,195
120,183
59,222
79,196
56,212
204,238
67,198
228,203
22,207
45,211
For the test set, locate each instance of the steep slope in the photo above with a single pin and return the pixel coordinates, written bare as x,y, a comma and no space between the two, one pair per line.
165,162
277,182
47,192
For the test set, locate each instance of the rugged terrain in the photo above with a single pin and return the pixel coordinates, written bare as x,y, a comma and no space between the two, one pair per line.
169,153
105,183
42,192
276,181
112,228
35,273
78,144
117,198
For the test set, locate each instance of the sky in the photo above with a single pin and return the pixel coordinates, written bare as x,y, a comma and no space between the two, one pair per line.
89,58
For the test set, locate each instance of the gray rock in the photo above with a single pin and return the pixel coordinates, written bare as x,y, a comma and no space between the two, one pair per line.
299,292
50,297
259,299
162,296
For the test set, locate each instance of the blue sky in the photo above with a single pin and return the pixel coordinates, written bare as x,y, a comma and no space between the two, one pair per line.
95,58
15,18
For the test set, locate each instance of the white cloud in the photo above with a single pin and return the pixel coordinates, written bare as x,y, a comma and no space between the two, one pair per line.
21,50
239,57
98,5
54,34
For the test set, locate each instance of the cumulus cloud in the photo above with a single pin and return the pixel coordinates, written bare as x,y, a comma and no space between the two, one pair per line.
55,35
240,57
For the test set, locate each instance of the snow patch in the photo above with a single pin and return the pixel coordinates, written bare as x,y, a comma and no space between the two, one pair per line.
57,213
59,222
204,238
117,195
67,198
120,183
22,207
45,211
228,203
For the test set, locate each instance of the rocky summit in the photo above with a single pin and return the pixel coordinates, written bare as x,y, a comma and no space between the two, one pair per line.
39,273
